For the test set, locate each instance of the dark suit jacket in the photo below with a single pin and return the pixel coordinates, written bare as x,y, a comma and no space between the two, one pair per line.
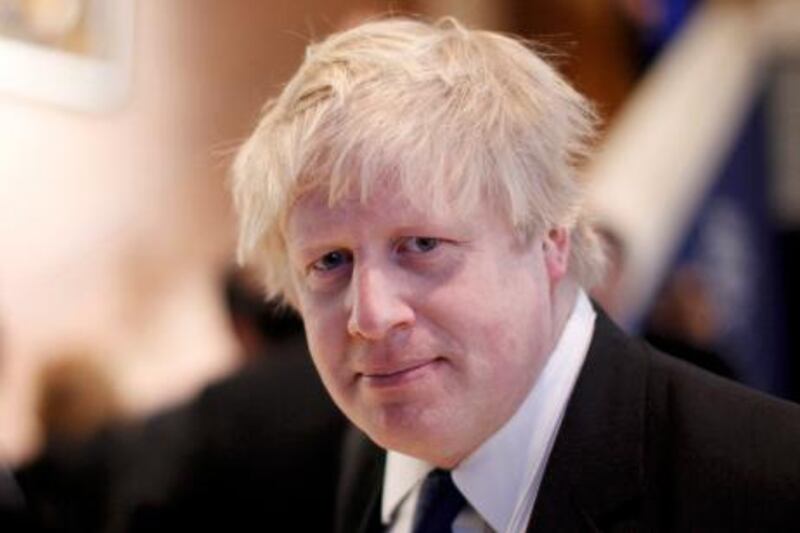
647,443
258,451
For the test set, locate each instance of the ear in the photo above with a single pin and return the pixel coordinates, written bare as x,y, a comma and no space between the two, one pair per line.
556,248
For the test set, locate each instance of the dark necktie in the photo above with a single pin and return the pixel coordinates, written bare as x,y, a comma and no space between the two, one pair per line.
439,503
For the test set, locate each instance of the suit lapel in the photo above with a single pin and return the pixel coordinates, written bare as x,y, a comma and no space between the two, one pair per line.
594,475
360,486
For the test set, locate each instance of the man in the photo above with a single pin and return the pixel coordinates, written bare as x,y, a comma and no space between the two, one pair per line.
260,446
413,193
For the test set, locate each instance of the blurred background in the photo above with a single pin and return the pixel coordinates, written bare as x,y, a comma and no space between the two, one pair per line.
118,119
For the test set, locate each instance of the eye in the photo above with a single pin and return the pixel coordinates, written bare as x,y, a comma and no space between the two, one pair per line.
331,261
420,245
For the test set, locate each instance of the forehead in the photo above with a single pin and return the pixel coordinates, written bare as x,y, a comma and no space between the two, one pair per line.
385,209
314,212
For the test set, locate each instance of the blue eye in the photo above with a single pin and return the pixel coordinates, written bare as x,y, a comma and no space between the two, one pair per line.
421,244
331,261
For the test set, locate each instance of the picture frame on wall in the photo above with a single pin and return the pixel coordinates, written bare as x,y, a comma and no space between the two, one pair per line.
71,53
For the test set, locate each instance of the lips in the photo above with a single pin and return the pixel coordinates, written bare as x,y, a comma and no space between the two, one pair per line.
398,375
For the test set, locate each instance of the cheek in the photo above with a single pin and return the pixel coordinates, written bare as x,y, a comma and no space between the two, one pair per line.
504,344
505,365
324,333
512,336
493,316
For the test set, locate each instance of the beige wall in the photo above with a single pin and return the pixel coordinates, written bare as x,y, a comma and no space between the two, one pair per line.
487,14
113,227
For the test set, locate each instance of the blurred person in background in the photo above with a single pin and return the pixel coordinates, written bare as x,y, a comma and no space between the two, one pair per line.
259,447
683,322
413,193
76,397
256,324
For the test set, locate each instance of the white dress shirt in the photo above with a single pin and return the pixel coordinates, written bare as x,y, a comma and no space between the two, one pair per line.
500,480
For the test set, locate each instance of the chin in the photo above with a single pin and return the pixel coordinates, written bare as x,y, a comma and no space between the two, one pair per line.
415,434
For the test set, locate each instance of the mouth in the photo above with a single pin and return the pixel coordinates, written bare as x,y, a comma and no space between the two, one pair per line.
391,378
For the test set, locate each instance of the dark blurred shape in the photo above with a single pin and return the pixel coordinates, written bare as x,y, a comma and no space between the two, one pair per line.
652,24
256,322
258,451
592,41
683,322
75,397
790,265
12,503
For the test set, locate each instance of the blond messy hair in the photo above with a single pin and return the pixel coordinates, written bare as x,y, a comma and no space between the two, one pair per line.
453,116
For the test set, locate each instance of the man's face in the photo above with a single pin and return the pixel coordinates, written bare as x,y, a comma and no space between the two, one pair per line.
427,329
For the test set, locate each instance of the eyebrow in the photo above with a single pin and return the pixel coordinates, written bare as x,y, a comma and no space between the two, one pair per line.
304,250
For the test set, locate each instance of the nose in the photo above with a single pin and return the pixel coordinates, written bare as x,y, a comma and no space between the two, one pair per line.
376,303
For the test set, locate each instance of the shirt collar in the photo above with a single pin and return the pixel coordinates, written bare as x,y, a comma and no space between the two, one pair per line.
497,474
403,474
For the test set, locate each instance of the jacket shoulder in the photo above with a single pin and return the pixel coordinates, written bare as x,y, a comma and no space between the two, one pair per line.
713,445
